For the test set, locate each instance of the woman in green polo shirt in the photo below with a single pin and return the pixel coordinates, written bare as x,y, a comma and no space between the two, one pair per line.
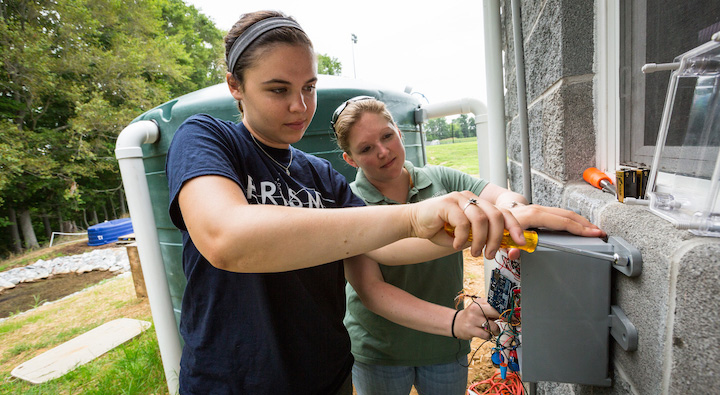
402,321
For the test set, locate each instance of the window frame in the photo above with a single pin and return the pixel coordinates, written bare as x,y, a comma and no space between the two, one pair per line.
608,86
610,142
614,147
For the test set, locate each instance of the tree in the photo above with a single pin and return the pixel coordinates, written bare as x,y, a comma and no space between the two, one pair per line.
461,125
466,124
328,65
437,129
472,128
203,57
73,74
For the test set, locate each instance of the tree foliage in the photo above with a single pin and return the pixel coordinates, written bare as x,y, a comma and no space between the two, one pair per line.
328,65
440,128
73,74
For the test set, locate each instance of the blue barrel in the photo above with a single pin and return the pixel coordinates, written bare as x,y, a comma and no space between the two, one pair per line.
108,232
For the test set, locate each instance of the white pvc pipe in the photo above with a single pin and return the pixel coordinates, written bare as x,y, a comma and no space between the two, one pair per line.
454,107
496,100
129,156
497,151
465,106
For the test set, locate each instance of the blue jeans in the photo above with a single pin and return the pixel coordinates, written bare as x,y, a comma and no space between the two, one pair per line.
441,379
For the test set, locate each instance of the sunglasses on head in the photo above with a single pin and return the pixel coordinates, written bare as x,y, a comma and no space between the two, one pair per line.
341,108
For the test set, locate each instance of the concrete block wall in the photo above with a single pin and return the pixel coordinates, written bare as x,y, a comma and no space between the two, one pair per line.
558,55
675,302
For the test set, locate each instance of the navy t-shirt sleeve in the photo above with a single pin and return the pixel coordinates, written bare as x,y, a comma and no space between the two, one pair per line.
199,147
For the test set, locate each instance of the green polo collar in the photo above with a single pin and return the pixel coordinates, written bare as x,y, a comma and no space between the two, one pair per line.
367,191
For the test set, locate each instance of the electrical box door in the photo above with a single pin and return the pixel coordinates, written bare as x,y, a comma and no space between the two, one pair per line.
566,312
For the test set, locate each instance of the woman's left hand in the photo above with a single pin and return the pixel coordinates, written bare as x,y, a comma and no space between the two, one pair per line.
477,319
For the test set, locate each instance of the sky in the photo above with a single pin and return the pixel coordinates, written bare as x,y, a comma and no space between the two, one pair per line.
436,48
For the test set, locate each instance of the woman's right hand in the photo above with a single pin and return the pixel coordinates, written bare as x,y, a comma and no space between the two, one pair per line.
487,222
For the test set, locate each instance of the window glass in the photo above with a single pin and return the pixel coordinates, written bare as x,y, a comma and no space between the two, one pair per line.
655,31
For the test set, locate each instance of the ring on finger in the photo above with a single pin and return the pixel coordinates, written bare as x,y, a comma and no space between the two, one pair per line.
470,201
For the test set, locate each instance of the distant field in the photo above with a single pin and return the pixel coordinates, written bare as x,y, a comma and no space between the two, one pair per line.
461,156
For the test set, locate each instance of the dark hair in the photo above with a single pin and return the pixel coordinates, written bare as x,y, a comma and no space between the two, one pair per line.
281,35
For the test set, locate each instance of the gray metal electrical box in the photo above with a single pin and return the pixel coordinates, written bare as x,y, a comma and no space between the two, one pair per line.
567,317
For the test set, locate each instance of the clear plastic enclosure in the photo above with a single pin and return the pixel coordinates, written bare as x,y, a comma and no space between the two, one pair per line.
685,175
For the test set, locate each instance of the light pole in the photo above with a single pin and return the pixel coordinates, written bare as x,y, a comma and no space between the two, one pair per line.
353,37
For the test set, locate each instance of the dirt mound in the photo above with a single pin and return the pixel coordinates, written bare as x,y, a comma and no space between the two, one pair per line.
26,296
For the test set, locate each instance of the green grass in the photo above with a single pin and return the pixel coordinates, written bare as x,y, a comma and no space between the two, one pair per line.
133,368
461,156
12,325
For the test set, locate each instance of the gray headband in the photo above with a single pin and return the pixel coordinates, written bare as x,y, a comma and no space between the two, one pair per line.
252,33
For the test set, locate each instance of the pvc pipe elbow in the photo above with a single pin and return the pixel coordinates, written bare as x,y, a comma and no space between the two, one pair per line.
130,140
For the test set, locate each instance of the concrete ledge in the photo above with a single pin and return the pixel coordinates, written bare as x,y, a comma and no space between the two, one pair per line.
672,303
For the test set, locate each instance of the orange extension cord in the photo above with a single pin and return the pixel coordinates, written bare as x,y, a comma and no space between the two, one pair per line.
511,385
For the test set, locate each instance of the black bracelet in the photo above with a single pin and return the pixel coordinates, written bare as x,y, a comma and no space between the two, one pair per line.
452,326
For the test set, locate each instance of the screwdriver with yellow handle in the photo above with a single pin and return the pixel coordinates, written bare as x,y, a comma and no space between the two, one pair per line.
532,242
531,239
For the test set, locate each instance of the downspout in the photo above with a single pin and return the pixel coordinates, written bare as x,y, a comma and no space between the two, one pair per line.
464,106
522,100
130,158
497,150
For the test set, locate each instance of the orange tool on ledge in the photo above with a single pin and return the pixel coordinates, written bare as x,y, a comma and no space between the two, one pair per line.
599,180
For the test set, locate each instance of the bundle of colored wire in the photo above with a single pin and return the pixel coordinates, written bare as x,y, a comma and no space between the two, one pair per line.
511,385
511,266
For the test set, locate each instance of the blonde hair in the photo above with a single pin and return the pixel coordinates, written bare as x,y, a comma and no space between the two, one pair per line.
351,115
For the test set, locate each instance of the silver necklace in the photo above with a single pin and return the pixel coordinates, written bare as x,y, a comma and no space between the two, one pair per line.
286,168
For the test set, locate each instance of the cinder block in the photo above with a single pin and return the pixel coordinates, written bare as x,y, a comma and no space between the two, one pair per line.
559,41
644,299
546,191
513,138
586,200
543,50
561,132
695,333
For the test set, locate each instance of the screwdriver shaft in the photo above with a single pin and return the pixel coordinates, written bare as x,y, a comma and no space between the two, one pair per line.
578,251
532,241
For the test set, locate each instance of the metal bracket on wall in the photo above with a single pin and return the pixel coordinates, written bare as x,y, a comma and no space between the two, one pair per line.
625,257
629,262
628,258
622,330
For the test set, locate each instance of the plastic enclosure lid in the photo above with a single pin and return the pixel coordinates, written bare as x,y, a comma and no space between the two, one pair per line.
685,175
